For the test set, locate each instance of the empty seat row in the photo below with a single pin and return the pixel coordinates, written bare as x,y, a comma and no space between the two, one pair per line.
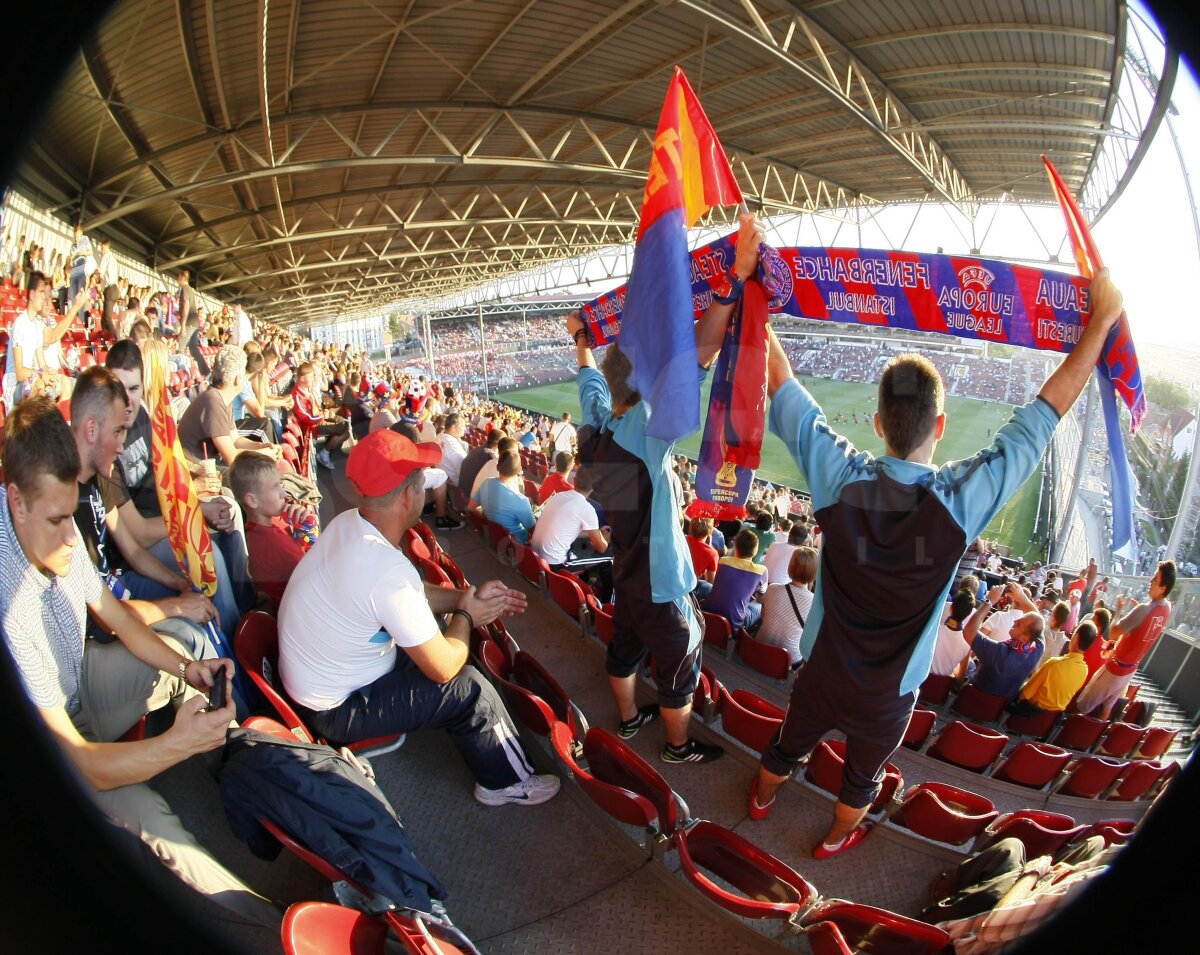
1038,765
951,815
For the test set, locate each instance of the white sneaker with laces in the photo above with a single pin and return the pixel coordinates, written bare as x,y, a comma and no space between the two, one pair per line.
324,460
531,791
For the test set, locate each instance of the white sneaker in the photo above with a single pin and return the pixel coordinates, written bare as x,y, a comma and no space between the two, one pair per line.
324,460
529,792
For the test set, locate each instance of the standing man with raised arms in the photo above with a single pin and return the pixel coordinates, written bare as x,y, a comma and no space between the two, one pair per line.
895,528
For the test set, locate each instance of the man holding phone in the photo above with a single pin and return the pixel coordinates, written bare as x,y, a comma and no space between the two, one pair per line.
90,694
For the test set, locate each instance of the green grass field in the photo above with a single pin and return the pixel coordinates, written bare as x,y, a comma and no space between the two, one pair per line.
969,427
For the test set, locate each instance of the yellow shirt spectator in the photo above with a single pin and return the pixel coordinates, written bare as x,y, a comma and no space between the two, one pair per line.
1056,681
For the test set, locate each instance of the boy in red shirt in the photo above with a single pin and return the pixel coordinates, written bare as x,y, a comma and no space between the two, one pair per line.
273,552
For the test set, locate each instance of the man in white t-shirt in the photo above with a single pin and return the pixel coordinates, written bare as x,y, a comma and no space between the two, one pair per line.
562,434
360,649
454,448
951,649
779,554
241,332
568,535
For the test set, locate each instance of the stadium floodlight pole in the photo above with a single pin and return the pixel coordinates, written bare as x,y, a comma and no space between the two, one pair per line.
429,345
483,354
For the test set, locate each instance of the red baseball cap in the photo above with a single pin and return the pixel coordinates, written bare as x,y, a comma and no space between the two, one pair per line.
383,459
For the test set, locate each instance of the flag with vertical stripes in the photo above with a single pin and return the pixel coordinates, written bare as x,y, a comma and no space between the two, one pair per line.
173,482
688,175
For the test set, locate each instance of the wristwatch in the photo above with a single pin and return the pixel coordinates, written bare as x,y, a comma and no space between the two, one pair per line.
183,665
730,289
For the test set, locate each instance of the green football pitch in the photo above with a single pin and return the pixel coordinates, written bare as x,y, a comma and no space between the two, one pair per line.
969,427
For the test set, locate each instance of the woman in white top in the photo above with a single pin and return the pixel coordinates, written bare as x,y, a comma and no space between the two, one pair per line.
785,607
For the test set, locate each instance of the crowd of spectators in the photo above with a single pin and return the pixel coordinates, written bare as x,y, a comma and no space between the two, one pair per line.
240,393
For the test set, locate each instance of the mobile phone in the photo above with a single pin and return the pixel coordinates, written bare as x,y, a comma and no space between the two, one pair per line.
216,695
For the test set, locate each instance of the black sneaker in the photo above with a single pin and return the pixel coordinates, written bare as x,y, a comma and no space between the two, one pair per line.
693,751
448,523
646,714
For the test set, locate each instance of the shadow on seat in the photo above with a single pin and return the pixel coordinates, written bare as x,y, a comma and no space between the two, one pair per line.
1089,776
1039,726
1042,833
718,632
749,718
1032,765
1121,740
920,725
935,690
1137,781
568,595
623,784
1079,732
771,661
944,813
827,762
865,928
602,623
766,887
1156,742
968,746
976,705
1115,832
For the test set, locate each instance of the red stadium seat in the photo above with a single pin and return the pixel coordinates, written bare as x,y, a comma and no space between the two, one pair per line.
978,706
602,623
1137,781
532,567
825,938
1033,765
1121,740
567,593
414,546
318,928
865,928
257,648
824,770
944,813
1115,832
766,887
1079,732
1156,742
1042,833
718,632
433,573
706,701
936,689
1089,776
528,707
768,660
749,718
529,673
968,745
533,492
623,804
1038,726
920,725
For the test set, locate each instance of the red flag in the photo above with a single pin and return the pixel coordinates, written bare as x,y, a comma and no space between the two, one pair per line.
173,481
688,175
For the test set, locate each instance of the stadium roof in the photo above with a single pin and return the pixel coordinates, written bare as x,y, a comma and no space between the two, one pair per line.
324,156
